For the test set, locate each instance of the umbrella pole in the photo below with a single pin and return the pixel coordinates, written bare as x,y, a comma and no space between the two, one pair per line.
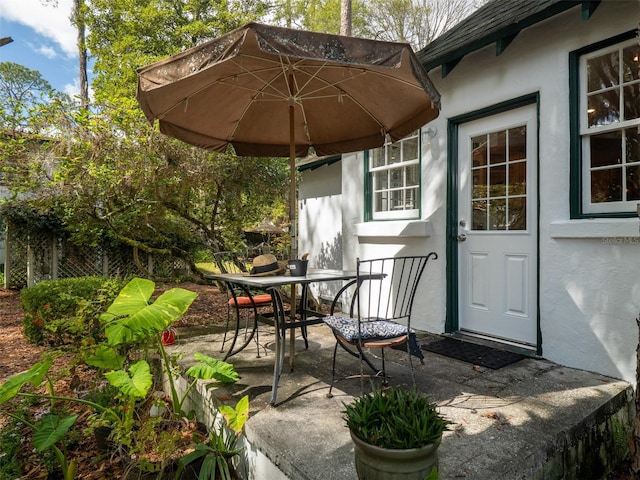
293,205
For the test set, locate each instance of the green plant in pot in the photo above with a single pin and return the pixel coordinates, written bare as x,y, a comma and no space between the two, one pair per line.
396,433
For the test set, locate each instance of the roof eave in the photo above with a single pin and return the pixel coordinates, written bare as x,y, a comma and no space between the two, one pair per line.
503,36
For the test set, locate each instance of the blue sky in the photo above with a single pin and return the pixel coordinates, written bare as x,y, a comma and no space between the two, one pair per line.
43,40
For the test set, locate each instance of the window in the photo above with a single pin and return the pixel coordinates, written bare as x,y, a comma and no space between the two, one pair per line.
609,128
499,180
394,179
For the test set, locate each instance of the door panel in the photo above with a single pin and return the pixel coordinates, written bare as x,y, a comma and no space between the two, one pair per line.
497,226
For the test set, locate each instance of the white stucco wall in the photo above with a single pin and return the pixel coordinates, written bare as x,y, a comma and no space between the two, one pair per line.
320,221
589,269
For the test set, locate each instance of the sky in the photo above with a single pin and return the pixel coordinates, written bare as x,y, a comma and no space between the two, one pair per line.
43,40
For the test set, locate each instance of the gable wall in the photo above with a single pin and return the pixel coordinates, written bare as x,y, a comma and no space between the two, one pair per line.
589,281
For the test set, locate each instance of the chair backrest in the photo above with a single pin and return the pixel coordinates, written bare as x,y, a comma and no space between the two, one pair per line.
387,287
230,262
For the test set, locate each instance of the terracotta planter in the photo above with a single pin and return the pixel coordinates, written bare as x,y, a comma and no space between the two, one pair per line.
376,463
168,337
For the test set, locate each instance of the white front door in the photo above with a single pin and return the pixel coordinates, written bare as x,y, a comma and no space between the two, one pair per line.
497,226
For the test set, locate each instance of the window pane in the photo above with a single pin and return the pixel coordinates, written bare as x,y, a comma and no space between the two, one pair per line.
633,183
631,94
410,149
606,185
377,157
604,108
396,200
632,145
606,149
479,189
479,215
412,173
479,151
517,214
411,196
631,63
381,180
498,181
517,143
397,180
498,146
381,204
394,154
497,214
602,71
518,178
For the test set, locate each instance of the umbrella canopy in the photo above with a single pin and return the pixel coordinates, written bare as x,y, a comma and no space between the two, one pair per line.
272,91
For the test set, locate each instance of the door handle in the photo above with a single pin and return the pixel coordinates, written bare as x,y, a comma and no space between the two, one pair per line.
462,237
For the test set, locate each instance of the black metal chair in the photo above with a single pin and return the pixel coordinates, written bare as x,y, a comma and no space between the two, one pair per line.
378,311
241,301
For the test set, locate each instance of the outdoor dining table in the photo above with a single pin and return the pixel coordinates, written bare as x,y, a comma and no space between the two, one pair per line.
272,284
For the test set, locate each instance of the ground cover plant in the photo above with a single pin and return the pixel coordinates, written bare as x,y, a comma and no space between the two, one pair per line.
35,396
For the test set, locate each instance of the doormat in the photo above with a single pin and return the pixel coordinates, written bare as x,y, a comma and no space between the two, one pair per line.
484,356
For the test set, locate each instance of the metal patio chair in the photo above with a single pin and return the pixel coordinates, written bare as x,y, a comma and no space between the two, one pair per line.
376,312
243,304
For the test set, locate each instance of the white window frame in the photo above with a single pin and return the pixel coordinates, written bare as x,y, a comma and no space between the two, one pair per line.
586,132
404,213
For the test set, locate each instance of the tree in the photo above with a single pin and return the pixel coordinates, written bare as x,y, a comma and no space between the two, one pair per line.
416,22
77,18
22,90
345,18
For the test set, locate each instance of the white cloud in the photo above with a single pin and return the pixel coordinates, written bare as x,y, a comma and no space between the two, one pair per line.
48,20
48,52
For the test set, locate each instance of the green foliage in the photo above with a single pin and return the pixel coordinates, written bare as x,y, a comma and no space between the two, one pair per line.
134,383
66,311
216,454
395,418
11,443
131,317
21,91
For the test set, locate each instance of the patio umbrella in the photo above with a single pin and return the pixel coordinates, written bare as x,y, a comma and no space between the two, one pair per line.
272,91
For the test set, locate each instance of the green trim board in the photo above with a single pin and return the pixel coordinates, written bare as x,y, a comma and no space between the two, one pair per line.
453,126
575,142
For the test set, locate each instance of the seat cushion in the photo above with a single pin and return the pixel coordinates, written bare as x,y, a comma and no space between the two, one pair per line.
347,328
259,300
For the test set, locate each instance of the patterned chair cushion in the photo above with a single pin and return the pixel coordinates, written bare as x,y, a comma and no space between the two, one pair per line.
347,328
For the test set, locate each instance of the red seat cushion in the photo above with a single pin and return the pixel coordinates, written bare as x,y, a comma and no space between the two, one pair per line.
259,300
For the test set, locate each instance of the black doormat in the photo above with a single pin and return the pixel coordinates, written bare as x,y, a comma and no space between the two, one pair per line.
472,353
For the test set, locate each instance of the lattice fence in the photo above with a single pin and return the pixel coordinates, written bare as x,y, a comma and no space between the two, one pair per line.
43,257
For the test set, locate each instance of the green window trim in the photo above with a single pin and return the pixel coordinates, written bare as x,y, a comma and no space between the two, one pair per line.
576,207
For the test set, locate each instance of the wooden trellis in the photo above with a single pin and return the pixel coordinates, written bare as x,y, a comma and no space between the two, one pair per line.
45,257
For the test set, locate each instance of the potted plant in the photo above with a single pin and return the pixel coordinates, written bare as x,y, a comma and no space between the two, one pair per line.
396,433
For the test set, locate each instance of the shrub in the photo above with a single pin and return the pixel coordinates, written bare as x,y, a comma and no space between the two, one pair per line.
64,311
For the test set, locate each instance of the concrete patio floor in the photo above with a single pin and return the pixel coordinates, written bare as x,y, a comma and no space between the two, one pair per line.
530,420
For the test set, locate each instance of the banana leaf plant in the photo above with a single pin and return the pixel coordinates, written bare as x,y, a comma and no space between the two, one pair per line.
133,318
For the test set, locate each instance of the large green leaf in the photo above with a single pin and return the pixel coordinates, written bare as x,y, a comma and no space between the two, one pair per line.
137,384
132,298
105,357
34,376
51,431
236,417
212,368
151,319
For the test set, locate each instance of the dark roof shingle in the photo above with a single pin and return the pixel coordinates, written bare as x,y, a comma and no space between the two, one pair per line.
494,21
